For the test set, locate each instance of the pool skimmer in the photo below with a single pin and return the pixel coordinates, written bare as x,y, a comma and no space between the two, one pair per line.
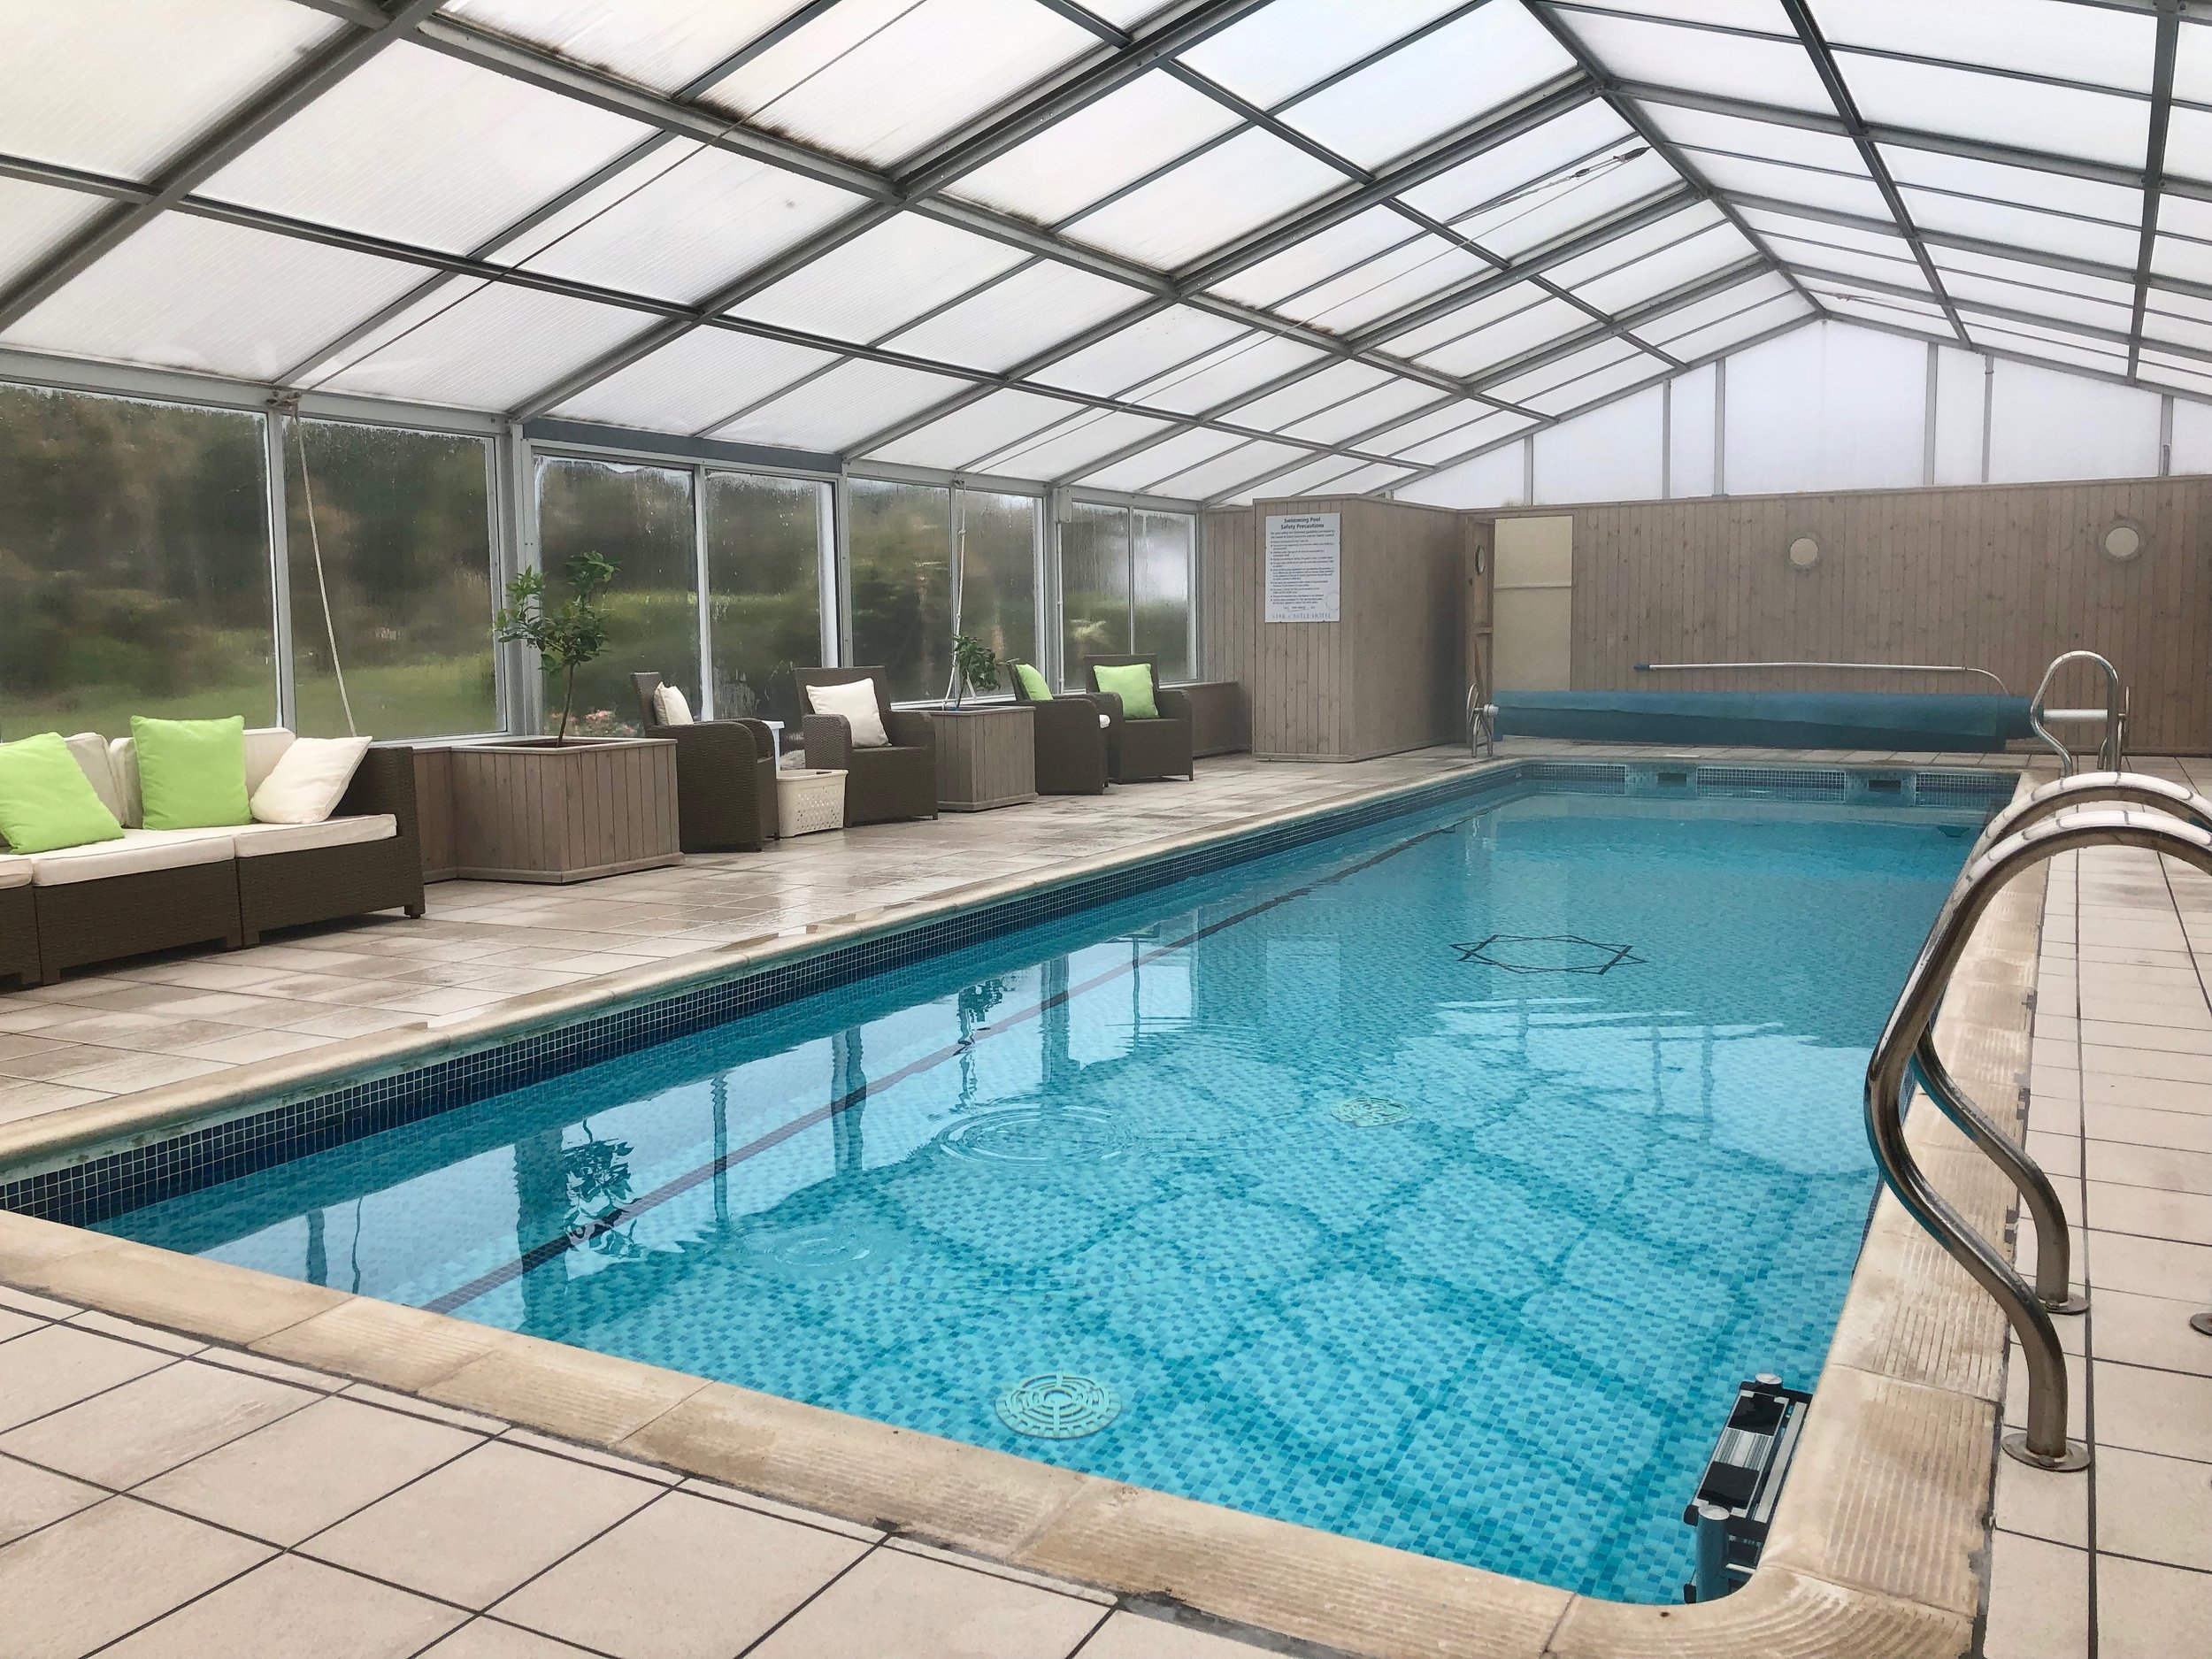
1057,1405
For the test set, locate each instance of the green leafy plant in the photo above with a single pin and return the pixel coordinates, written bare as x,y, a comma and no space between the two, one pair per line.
566,637
975,665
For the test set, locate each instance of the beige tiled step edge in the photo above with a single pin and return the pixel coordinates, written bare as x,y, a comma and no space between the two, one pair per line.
1874,1555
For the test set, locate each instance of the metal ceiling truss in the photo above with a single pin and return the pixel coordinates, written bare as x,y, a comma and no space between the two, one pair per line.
2166,49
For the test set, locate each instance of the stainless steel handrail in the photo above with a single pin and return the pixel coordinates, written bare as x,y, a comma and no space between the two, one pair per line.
2110,752
2044,1443
2063,794
1482,721
1883,668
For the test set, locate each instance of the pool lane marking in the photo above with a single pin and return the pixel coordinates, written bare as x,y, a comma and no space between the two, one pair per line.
538,1255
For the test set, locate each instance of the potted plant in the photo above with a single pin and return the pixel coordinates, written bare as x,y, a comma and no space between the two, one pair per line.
975,667
566,637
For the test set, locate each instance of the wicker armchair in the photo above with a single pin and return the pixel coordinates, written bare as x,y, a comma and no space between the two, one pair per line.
1073,747
880,784
18,934
725,778
1145,748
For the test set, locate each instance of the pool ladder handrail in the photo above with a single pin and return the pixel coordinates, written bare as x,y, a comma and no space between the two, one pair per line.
2037,828
2111,751
1482,720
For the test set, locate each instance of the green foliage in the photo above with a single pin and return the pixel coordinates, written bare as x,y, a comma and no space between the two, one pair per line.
977,662
566,637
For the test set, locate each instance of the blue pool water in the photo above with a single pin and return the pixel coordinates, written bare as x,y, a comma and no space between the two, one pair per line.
1435,1184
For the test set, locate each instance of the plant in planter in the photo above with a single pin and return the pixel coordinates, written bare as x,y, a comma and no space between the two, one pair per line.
975,666
566,636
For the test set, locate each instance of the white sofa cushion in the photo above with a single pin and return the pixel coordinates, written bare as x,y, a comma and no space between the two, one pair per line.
91,751
306,785
264,841
857,702
265,747
15,871
673,707
140,850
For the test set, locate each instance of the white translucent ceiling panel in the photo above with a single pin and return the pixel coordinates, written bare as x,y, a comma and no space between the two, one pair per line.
1668,268
2185,215
2160,299
842,407
697,379
1211,199
191,293
1729,332
1234,369
1585,134
459,152
1714,308
2073,43
1800,186
2116,289
1826,408
1559,209
1965,286
2180,331
1764,140
1700,60
2028,114
1617,453
1803,254
988,424
1227,471
1347,421
680,224
1376,476
1599,384
1492,428
1312,476
1447,79
1065,449
664,44
2182,257
1178,454
35,219
1101,147
1346,244
495,348
1386,285
1303,397
1630,246
2053,192
2193,62
1489,480
1457,416
2022,227
2189,140
1867,240
1285,47
1014,319
122,86
1526,385
1147,347
1765,15
882,277
1862,305
1463,319
2183,374
1531,329
878,79
2049,344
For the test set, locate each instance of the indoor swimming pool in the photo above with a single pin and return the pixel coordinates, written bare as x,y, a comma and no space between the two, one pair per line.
1433,1183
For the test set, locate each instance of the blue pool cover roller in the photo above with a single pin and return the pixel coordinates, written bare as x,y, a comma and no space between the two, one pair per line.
1948,721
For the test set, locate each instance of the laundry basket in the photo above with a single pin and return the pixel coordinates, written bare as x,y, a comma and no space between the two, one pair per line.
808,799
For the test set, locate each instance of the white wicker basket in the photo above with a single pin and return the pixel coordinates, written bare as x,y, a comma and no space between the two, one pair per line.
808,799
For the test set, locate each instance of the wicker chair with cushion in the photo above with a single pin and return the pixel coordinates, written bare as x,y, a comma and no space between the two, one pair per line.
1145,748
1073,743
285,886
725,777
882,783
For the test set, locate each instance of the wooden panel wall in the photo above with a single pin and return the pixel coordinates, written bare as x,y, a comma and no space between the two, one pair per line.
1228,593
433,812
1998,577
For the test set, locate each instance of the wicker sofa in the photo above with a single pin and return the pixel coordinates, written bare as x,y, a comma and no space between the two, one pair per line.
158,889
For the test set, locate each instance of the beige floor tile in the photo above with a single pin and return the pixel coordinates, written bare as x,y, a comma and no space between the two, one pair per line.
291,1608
2141,1211
18,1101
2151,1331
2151,1267
104,1571
790,1512
131,1331
2159,1508
140,1071
2113,1060
2041,1504
13,1323
308,1471
487,1638
154,1423
1133,1636
32,1498
668,1582
262,1365
44,1370
2149,1166
247,1046
473,1530
2154,1094
2158,1411
452,1417
897,1606
2039,1600
2150,1612
43,1307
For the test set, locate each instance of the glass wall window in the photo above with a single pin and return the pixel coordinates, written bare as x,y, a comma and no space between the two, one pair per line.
395,566
1093,586
899,552
1160,588
639,519
134,564
998,573
763,590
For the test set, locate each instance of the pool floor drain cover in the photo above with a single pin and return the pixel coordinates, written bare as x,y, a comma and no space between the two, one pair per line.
1370,1111
1057,1405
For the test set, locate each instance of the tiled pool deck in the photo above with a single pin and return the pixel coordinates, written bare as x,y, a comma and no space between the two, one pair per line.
161,1495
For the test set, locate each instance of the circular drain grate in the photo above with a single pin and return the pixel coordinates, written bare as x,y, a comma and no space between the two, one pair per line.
815,1253
1370,1111
1036,1134
1057,1405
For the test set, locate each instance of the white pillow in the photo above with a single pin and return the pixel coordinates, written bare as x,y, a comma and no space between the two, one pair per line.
672,706
857,702
306,784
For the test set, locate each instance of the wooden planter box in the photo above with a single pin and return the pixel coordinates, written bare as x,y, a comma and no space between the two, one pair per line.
987,757
527,811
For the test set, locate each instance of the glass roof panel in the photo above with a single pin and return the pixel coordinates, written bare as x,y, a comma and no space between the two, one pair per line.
1287,46
493,347
1741,14
664,44
1343,246
697,380
2181,331
1211,199
882,277
2047,343
1540,325
2184,373
2189,140
988,424
1837,192
1365,414
2193,62
2184,257
1671,268
2185,215
2074,42
1551,213
2022,227
1227,470
1101,147
1376,476
2159,299
1860,304
1525,385
842,407
2027,114
1822,255
1968,287
1307,480
120,87
1331,385
1073,445
459,152
1728,331
1225,373
35,219
191,293
1476,434
1867,240
1714,307
1634,245
1169,455
1456,324
1445,80
1014,319
2029,186
680,224
1762,141
1146,347
878,79
2028,271
1598,384
1699,60
1584,135
1385,286
1456,416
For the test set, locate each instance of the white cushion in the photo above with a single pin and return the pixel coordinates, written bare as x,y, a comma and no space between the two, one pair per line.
306,784
1105,721
15,871
673,707
264,841
139,850
264,746
857,702
90,750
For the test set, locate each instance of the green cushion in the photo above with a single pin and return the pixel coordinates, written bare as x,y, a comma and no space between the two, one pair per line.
191,773
1132,682
45,799
1033,683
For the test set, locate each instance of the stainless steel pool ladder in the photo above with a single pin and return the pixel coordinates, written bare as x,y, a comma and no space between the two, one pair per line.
2058,818
2111,750
1482,721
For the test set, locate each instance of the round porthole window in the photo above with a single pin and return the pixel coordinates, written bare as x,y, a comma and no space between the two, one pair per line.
1804,552
2123,541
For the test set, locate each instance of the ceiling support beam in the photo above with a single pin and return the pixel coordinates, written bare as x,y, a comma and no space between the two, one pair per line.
2168,48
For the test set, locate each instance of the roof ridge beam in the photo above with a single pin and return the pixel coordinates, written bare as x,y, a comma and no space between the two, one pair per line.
2167,47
